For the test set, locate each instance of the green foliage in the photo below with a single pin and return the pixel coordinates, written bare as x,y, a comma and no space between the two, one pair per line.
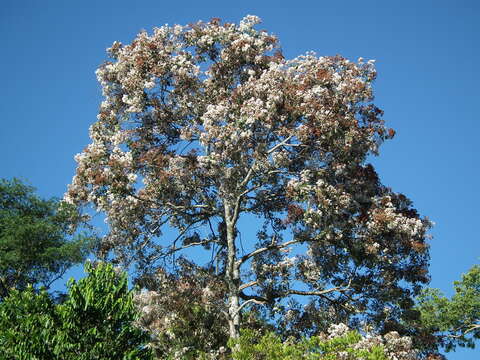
27,325
36,246
252,346
97,318
456,321
95,322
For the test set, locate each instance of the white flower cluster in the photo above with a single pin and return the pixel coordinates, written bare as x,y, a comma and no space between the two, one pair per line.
386,215
396,347
337,330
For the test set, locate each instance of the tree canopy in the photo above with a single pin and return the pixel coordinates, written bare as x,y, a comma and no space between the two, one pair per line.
208,125
36,241
454,321
96,321
337,343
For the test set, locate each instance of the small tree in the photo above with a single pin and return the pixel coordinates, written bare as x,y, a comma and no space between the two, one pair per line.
454,321
36,246
207,126
95,322
98,318
27,325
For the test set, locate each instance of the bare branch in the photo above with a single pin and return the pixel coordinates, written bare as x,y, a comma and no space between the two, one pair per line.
249,301
247,285
469,328
321,292
180,207
239,198
282,143
262,300
247,177
257,299
472,327
272,246
173,250
250,190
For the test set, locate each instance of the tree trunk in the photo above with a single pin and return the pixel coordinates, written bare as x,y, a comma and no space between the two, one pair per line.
232,275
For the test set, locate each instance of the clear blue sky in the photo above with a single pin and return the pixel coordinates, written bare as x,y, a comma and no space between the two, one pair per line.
426,51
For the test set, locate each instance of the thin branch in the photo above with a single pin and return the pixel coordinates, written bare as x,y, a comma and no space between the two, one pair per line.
184,231
180,207
246,303
247,177
282,143
257,299
174,250
215,257
261,300
239,198
211,228
250,190
470,328
226,314
293,145
271,246
247,285
321,292
159,224
59,276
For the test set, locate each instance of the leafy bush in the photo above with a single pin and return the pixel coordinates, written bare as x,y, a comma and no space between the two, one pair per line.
339,343
95,322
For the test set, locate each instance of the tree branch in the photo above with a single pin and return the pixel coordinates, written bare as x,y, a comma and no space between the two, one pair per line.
249,301
257,299
283,142
320,292
180,207
173,250
272,246
470,327
247,285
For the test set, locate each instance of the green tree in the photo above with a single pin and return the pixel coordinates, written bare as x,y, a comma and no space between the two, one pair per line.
27,325
95,322
36,241
98,318
454,321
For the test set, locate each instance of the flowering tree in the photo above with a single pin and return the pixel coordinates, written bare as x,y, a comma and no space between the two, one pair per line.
180,312
205,125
